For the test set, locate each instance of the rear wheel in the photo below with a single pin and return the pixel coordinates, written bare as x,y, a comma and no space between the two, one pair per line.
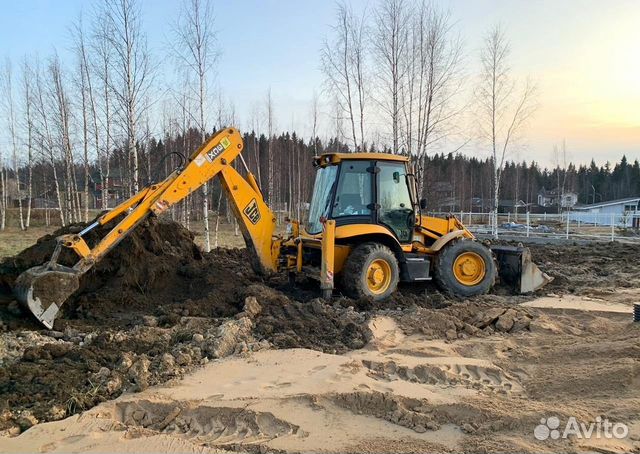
465,268
371,270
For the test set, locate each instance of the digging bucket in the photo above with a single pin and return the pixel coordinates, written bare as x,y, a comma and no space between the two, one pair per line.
516,268
44,289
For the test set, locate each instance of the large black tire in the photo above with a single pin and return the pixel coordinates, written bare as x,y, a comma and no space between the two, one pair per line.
445,276
355,272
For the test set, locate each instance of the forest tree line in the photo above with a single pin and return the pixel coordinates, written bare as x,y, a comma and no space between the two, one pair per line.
456,177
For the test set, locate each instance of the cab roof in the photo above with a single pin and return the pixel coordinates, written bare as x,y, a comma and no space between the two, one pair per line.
335,158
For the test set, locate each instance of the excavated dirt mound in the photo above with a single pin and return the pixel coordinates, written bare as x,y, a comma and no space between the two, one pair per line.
76,370
157,265
576,268
312,324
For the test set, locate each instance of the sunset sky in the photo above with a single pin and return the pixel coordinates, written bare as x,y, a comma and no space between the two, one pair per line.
583,54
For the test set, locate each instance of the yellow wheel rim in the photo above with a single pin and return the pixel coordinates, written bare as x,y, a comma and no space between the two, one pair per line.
469,268
378,276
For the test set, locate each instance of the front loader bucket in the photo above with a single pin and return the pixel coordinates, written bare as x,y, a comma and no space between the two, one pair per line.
516,268
43,290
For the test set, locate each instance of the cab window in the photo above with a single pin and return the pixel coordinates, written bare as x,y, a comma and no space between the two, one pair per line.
353,195
396,210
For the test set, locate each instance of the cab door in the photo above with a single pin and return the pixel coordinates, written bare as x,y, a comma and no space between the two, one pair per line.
395,208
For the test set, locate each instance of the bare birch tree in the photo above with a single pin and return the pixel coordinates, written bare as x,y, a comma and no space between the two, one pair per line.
433,82
343,65
102,62
10,116
27,91
132,72
390,43
62,120
90,123
82,86
504,109
315,112
271,196
195,47
44,135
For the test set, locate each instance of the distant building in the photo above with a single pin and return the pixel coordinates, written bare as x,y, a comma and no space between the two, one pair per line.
551,198
481,204
623,212
485,205
513,206
117,189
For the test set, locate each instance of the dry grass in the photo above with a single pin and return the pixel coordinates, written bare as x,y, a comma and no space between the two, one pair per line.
226,235
13,240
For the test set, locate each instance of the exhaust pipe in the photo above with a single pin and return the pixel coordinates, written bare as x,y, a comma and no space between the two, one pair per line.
516,268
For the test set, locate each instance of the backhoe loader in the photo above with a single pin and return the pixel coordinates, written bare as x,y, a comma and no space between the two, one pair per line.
365,232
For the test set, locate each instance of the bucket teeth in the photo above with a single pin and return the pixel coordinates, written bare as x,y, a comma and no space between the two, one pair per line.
43,291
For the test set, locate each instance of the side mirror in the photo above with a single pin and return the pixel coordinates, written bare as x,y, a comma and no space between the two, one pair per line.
423,204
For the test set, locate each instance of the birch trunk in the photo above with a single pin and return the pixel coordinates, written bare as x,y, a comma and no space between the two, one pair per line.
29,121
46,143
11,123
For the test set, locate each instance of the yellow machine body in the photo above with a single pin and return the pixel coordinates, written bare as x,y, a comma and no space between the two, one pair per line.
466,269
435,232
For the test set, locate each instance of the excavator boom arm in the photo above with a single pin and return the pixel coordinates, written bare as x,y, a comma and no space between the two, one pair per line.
213,158
256,219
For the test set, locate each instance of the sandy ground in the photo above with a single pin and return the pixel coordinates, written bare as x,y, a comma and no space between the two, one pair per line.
400,393
620,301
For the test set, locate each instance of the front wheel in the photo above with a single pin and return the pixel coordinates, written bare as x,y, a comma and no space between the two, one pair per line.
465,268
371,270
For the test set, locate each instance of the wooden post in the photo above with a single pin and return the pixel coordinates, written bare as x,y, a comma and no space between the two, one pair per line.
613,227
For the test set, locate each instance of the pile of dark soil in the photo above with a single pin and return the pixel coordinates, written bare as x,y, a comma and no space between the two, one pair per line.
156,266
80,370
313,324
578,267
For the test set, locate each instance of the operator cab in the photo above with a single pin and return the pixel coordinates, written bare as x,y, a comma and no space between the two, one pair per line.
364,188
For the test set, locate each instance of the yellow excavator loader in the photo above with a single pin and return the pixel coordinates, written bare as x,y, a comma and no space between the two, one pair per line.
365,232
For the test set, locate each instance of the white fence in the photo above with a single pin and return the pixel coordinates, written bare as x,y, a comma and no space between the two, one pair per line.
566,225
